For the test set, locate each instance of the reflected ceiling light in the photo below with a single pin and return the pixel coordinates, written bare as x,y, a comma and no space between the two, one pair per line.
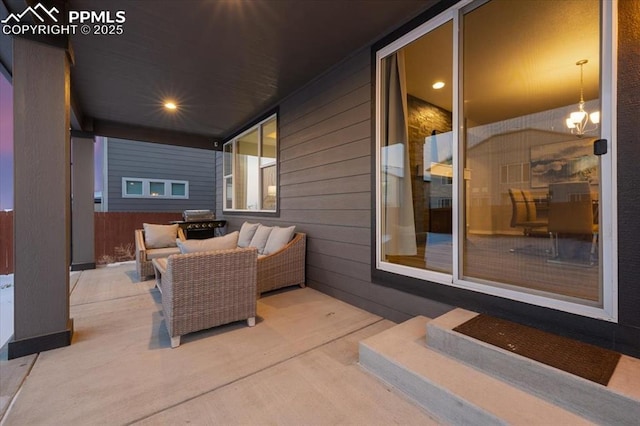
170,105
438,85
580,121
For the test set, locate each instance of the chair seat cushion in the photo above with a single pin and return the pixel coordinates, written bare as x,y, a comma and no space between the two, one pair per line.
162,252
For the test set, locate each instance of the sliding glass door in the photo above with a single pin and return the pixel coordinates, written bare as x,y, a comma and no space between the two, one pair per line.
491,182
532,195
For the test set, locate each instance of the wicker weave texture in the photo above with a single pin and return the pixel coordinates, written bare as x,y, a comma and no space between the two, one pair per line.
284,268
203,290
144,267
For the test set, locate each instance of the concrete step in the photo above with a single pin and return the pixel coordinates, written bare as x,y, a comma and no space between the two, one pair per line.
451,391
618,403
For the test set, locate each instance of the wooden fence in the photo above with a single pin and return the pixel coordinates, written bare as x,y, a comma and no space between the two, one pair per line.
114,240
6,243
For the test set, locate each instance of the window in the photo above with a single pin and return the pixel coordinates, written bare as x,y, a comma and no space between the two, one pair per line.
154,188
250,169
455,165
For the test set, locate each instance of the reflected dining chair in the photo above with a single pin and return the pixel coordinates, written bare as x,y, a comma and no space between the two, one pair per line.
524,213
571,215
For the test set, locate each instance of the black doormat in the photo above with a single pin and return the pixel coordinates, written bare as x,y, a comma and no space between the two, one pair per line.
581,359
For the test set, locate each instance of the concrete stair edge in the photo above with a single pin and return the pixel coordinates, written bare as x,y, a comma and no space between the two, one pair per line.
587,399
451,391
443,405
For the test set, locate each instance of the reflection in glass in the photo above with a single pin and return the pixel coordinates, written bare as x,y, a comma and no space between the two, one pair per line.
530,196
178,189
269,188
134,187
156,189
416,155
269,138
246,172
227,160
228,202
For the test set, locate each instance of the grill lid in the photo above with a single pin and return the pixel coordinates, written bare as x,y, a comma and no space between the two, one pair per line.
197,215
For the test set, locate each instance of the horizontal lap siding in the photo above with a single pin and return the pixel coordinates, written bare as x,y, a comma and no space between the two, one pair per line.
325,170
148,160
325,183
325,174
325,166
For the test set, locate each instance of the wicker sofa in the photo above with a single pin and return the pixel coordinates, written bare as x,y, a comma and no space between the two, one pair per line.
285,267
207,289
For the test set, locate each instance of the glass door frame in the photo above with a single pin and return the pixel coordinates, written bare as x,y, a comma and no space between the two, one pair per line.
443,18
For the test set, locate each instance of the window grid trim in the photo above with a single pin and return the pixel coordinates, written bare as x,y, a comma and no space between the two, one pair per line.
146,188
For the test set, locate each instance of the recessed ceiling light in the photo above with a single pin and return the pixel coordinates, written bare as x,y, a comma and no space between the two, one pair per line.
170,105
438,85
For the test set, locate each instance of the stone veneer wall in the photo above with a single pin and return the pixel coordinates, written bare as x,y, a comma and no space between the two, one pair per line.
424,118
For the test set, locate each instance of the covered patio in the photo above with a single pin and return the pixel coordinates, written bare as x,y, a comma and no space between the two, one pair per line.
93,347
298,365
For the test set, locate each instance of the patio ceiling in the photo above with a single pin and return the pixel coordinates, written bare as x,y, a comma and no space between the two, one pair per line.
223,62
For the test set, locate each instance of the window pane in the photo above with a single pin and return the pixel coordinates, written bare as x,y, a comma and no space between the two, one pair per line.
269,138
227,159
228,202
247,190
269,188
416,154
134,187
178,189
514,116
156,189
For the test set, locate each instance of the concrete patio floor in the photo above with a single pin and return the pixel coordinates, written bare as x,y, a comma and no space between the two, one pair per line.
298,365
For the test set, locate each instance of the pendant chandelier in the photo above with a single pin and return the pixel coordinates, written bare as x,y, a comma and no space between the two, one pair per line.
580,121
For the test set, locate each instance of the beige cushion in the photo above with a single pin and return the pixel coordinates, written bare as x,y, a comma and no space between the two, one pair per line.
162,252
260,238
247,231
278,238
229,241
160,236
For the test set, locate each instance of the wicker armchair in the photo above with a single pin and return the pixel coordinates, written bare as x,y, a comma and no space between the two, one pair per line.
285,267
203,290
144,268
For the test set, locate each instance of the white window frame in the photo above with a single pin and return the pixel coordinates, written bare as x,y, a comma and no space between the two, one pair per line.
146,188
608,204
274,163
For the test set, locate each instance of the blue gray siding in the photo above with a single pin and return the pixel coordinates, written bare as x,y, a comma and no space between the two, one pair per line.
148,160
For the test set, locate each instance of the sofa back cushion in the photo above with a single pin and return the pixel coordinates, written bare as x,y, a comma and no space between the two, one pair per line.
278,238
160,236
229,241
260,238
247,231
